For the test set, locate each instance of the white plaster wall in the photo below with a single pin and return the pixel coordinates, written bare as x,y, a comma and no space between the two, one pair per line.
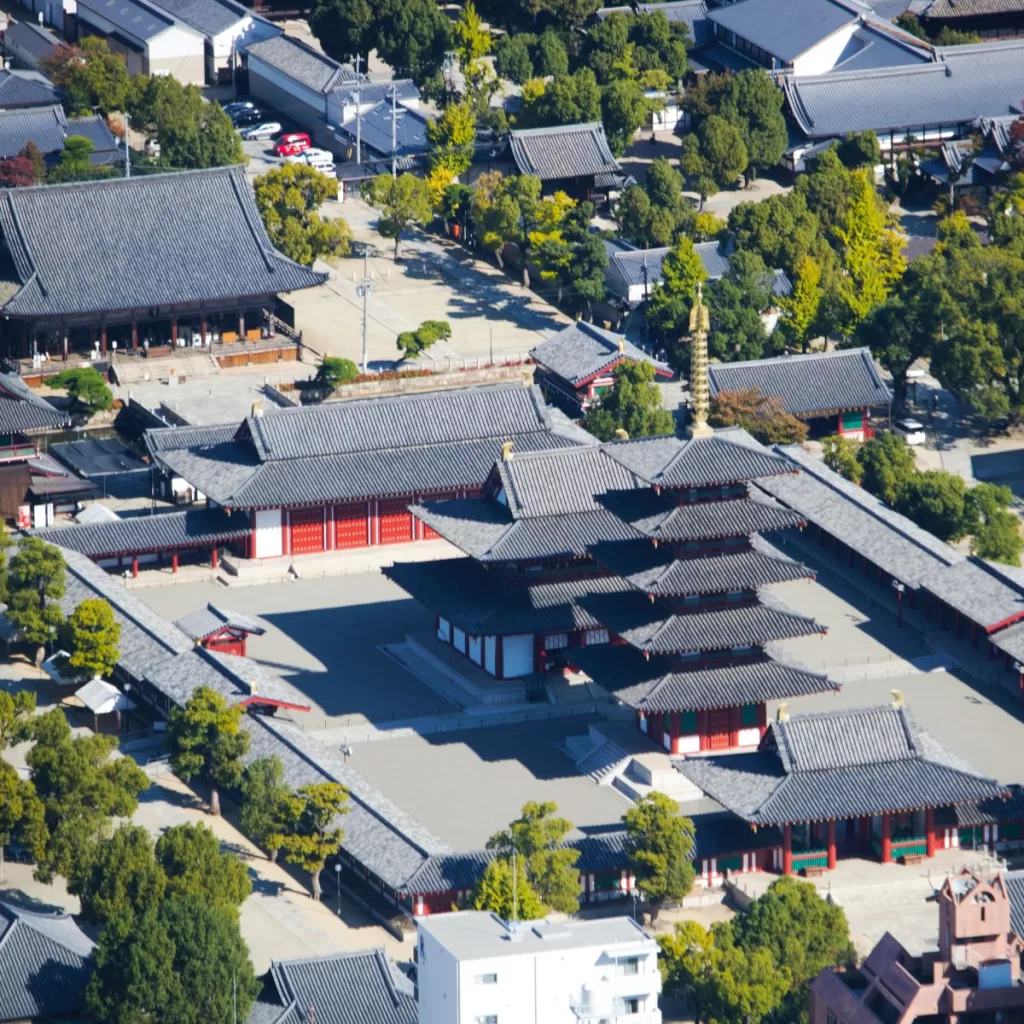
822,57
269,536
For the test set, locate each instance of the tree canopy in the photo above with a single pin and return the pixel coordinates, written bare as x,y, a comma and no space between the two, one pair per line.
634,406
35,583
402,202
412,343
95,635
668,308
312,834
334,371
763,416
195,866
22,816
495,891
86,387
90,76
659,840
265,804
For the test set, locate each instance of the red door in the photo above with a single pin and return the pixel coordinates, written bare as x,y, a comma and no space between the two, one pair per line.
395,521
307,530
350,526
428,533
719,720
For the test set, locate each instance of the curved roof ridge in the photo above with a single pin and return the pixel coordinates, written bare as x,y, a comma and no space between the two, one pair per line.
258,231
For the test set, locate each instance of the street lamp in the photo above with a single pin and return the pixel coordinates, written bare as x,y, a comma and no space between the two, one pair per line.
899,588
337,883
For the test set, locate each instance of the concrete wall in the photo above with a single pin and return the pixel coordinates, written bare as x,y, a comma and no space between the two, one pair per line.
220,47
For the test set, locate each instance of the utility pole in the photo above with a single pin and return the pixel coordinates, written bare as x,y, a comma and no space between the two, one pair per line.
647,295
363,290
127,149
394,130
359,120
515,904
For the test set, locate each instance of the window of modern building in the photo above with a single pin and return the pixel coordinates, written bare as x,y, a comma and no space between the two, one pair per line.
486,979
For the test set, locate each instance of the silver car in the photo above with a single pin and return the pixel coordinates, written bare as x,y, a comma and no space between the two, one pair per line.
264,130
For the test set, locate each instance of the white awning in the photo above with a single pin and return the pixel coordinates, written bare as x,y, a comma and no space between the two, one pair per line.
101,697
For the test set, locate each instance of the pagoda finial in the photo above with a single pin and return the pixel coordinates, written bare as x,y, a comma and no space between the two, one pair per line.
700,406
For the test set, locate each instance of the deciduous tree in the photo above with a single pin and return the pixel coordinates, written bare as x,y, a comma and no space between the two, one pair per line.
840,455
313,834
451,137
659,840
886,464
16,714
95,635
402,202
265,804
996,530
935,500
634,405
496,892
89,75
802,304
206,740
35,583
763,416
195,866
22,816
668,309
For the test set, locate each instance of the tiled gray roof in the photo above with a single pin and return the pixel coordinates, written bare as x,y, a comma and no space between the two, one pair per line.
838,765
210,17
174,438
813,383
302,63
26,89
727,456
448,872
486,531
375,129
45,126
1010,641
879,45
1015,889
105,149
946,10
135,18
581,351
658,571
209,620
965,82
164,531
859,519
485,603
655,517
983,592
692,13
44,965
806,23
652,627
375,92
659,684
21,409
563,151
362,987
986,812
215,246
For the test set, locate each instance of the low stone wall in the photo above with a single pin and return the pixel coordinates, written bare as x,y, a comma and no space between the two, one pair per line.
436,382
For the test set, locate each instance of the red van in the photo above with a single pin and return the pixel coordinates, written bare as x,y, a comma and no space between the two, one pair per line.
291,143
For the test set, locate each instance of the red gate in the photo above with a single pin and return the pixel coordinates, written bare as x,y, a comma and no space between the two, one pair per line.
395,521
719,723
350,526
307,530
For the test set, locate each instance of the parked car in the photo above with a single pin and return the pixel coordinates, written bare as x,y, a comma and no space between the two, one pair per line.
292,143
263,130
239,105
911,430
249,116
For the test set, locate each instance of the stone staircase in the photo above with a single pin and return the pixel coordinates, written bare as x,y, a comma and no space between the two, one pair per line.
189,363
604,764
646,773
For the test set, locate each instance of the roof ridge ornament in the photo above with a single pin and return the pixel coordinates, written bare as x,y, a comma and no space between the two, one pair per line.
506,451
700,324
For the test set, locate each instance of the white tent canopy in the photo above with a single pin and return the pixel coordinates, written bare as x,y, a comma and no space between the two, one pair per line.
102,698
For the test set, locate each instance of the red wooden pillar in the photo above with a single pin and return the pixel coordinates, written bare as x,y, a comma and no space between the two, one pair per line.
929,832
174,332
103,339
135,335
787,849
213,556
831,845
202,327
174,561
135,566
887,838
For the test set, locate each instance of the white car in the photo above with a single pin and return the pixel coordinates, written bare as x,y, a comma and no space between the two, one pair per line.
911,430
265,130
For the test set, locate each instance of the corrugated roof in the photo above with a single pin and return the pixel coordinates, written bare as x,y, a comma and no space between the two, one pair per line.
563,151
136,18
214,247
965,82
581,351
808,384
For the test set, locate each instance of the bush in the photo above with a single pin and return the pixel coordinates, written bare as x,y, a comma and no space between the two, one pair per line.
412,343
333,372
86,388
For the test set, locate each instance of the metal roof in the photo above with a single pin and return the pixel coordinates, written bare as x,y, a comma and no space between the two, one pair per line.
26,89
99,457
808,384
661,684
138,19
302,63
210,17
210,620
879,45
44,964
582,351
214,247
375,128
964,83
836,765
563,151
983,592
785,35
22,409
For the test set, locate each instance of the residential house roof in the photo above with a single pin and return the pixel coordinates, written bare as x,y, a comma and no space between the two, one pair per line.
858,519
214,247
26,89
951,10
984,592
21,409
44,965
836,765
138,19
105,147
563,151
875,44
692,13
303,63
375,126
404,444
962,84
582,351
212,619
815,383
659,684
347,93
47,128
210,17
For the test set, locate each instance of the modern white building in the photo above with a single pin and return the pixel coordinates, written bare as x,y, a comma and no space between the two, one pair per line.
474,968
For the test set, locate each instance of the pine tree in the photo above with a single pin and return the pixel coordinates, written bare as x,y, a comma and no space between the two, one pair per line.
312,835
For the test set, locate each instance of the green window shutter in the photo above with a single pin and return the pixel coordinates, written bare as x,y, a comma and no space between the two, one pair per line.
748,715
853,420
688,722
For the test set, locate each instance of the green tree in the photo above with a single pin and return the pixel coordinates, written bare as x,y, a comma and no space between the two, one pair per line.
194,864
762,416
781,230
451,137
334,371
502,207
585,274
402,202
95,635
343,28
935,501
412,37
840,455
86,387
16,716
668,308
471,40
413,343
206,739
686,963
887,463
659,841
753,104
89,76
22,816
313,834
744,985
5,543
288,198
495,892
623,111
860,149
265,804
634,405
82,786
736,302
550,56
800,307
995,529
75,163
185,963
512,58
118,876
35,585
538,837
714,156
